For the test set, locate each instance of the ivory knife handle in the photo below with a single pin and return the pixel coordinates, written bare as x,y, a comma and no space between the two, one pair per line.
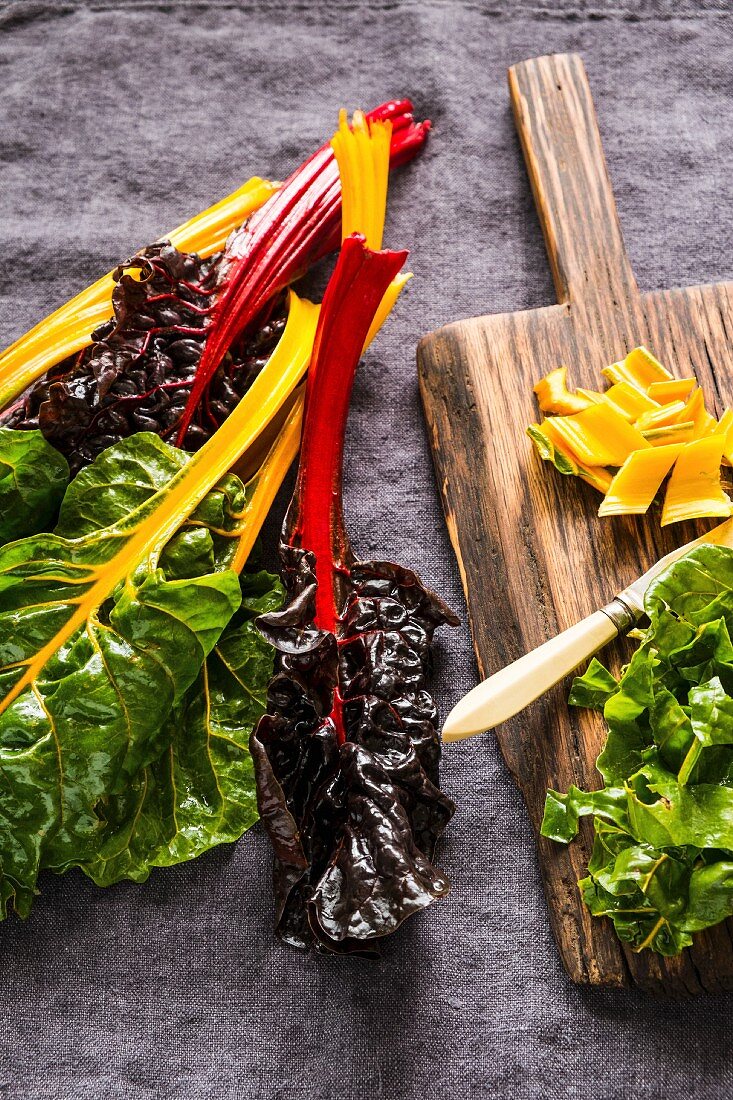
513,688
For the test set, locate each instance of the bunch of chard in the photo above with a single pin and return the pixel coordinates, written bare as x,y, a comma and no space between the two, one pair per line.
346,757
131,672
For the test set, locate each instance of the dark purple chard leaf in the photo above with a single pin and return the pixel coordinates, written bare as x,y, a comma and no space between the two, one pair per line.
346,758
137,373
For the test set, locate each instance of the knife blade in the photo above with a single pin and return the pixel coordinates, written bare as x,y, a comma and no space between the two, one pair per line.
517,685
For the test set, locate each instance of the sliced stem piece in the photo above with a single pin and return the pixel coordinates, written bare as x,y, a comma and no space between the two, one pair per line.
678,389
638,481
640,368
553,395
694,490
599,435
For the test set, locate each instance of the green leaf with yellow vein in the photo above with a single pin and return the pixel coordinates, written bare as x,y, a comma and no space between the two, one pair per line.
105,627
126,730
97,716
200,792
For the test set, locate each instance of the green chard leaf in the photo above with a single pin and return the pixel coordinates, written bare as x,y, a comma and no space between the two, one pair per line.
594,688
123,742
665,813
562,811
662,862
640,889
710,896
692,586
125,477
627,713
119,481
200,791
33,478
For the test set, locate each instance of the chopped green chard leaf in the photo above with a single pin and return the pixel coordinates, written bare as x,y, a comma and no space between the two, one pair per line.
662,862
594,688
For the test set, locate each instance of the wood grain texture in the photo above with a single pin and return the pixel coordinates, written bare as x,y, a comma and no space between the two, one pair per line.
533,555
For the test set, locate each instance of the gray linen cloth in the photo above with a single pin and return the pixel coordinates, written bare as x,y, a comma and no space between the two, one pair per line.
119,120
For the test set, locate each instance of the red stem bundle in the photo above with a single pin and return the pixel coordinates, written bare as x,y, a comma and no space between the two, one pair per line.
295,228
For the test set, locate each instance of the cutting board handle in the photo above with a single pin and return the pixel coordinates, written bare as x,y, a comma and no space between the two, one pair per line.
558,128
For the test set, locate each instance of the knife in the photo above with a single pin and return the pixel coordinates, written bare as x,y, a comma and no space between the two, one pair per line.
513,688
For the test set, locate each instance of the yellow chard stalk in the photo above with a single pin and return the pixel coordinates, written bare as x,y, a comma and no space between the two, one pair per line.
362,155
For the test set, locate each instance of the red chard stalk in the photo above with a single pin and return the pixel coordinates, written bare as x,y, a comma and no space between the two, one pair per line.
299,225
346,759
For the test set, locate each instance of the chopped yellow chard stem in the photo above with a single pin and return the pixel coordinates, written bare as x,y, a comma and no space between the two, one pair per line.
144,533
638,481
629,401
599,435
726,421
694,489
68,330
725,427
678,389
661,417
553,395
694,410
552,448
640,368
644,425
592,397
671,433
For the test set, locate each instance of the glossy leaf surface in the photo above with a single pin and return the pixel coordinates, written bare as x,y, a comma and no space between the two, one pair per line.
136,722
33,478
346,757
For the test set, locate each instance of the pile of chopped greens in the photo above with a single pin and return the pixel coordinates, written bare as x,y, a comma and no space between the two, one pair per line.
662,861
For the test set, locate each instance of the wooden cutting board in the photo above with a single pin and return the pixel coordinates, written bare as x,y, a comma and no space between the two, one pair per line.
533,555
